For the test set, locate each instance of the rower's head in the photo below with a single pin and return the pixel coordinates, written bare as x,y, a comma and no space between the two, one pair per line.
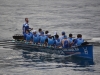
26,20
40,30
46,32
70,35
63,33
56,36
79,35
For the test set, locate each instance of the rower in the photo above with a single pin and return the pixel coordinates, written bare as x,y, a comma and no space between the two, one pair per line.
35,37
46,33
70,38
79,40
42,38
26,26
57,41
40,31
55,33
65,43
28,36
63,36
49,41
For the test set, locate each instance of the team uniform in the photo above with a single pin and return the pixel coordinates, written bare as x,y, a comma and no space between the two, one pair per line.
63,37
42,39
28,37
66,44
78,42
70,39
50,41
57,43
36,38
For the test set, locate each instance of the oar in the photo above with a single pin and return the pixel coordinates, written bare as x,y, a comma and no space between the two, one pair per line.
94,41
73,54
10,43
21,45
6,40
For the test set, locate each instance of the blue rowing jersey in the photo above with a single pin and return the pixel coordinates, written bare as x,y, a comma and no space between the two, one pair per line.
79,41
71,40
57,42
63,37
28,36
42,39
66,44
50,41
25,27
36,38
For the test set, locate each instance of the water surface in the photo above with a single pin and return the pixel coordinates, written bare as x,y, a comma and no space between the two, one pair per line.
71,16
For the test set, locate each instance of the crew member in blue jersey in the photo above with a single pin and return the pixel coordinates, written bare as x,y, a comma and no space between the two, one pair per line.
42,38
26,26
65,42
79,40
70,38
46,33
40,31
28,36
35,37
63,36
49,41
55,33
57,41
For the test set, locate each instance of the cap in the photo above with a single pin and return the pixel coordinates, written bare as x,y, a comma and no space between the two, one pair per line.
49,33
33,30
63,33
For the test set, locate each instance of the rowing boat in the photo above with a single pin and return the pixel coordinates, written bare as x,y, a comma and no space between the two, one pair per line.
85,51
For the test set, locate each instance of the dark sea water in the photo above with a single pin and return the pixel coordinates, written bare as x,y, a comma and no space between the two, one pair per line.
71,16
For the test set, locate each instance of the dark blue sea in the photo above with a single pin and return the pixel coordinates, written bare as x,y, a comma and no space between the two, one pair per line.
71,16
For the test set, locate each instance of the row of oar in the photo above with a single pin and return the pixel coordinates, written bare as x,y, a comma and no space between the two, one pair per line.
93,41
22,45
19,44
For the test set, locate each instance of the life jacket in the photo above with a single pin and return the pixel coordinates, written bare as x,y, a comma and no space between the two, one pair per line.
66,44
28,37
50,41
70,39
42,39
57,42
62,42
79,41
36,38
